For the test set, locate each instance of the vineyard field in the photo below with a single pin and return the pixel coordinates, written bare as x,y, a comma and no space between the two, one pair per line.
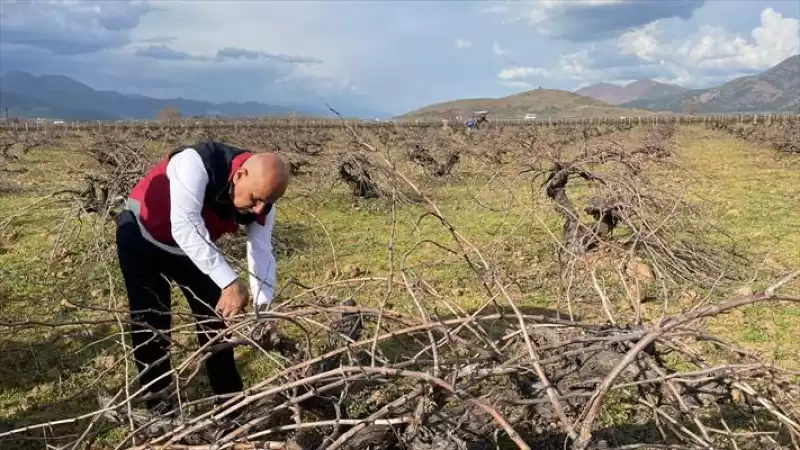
603,283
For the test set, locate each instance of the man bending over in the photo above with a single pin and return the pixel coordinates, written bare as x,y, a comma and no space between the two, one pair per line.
172,219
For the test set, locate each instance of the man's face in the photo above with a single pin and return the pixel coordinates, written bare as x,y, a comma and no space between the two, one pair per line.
251,193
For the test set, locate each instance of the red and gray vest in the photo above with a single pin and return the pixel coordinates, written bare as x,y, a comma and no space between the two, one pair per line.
149,200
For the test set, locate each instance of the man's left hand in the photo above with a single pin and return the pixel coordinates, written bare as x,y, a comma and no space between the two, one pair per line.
233,299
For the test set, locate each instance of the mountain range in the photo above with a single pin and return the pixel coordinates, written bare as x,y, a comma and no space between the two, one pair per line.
541,102
61,97
641,89
774,90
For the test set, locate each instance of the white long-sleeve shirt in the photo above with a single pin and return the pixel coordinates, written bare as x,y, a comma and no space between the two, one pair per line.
187,184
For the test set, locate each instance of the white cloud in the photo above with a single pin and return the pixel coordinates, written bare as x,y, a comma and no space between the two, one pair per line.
519,73
575,65
463,43
497,50
710,47
321,77
517,84
642,43
708,56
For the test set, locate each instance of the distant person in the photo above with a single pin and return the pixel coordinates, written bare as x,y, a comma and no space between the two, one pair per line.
167,231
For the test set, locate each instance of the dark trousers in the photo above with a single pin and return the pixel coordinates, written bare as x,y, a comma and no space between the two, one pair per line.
147,270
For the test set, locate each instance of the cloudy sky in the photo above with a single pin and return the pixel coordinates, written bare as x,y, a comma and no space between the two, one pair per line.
390,56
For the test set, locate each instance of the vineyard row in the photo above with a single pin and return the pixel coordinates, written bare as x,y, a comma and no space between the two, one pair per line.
766,119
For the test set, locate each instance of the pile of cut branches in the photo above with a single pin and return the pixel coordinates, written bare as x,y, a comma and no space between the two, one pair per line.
491,378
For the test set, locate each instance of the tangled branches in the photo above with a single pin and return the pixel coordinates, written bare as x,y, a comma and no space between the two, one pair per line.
355,173
478,380
783,136
578,238
654,142
651,222
608,210
432,167
120,163
371,176
12,144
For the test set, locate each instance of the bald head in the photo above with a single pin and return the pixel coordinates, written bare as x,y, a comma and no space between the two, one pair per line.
271,170
261,180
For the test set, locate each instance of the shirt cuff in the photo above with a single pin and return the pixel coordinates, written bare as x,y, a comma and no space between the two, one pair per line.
263,298
222,275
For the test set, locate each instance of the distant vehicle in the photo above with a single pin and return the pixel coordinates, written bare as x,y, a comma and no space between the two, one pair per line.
475,123
529,117
58,122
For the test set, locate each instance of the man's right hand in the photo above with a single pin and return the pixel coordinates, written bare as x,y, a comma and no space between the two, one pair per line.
233,299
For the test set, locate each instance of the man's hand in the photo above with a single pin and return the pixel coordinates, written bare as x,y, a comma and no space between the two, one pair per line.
233,299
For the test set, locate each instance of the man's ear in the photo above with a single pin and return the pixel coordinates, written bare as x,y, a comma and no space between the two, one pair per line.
239,174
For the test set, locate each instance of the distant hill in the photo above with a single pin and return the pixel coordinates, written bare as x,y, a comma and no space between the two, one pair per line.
605,92
636,90
542,102
32,107
774,90
61,97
